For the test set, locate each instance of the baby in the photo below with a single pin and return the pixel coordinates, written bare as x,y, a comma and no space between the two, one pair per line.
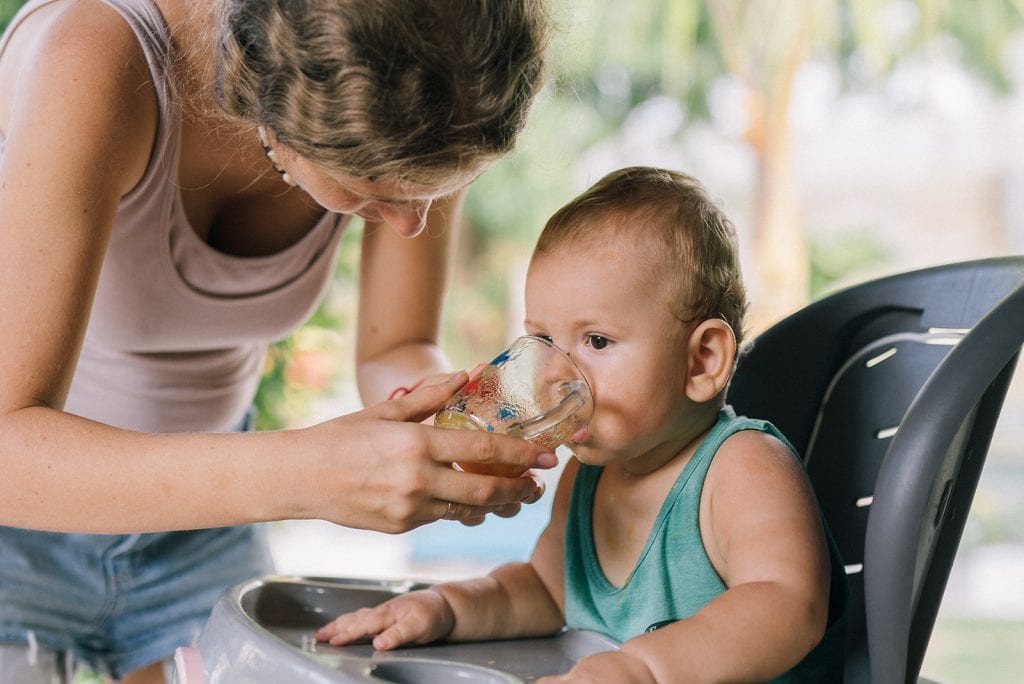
684,531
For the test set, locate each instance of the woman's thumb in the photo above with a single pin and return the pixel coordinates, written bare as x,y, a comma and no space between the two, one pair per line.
425,401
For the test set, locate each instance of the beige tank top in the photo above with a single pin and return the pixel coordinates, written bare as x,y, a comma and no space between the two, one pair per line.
178,330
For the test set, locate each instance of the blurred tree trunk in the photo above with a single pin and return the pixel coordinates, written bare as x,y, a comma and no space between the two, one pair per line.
763,44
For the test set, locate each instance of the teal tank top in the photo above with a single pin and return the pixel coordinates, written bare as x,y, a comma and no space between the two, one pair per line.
674,578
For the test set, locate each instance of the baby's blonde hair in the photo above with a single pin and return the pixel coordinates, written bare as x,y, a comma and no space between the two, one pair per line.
409,91
690,234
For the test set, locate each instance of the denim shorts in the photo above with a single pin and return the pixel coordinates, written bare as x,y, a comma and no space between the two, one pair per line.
118,602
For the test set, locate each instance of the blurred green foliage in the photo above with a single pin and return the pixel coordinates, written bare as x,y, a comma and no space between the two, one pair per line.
7,10
835,257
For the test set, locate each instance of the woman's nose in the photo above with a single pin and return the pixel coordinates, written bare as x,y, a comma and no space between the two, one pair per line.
408,220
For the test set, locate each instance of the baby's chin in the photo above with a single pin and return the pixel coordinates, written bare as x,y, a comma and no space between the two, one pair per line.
589,455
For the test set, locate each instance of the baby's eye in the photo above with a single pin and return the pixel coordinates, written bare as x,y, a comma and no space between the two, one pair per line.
598,342
546,338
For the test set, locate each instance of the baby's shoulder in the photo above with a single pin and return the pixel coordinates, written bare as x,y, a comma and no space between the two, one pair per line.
755,456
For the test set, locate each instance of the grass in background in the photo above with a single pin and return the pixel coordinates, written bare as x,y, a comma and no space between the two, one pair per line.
966,650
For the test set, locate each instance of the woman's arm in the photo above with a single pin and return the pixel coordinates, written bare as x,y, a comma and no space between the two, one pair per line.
79,124
402,285
79,119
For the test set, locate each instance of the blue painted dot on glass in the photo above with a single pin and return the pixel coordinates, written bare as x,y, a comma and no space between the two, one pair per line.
507,413
500,358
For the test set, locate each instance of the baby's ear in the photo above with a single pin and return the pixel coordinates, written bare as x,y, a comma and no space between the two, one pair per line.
711,351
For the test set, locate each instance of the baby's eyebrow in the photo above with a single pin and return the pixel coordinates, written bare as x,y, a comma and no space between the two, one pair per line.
582,323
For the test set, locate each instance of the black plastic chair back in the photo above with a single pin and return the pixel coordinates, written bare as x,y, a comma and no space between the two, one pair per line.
890,390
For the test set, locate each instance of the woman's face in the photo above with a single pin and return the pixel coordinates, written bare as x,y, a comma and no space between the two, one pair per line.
404,210
401,206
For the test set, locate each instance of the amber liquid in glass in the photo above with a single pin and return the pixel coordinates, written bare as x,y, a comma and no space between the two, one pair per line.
455,420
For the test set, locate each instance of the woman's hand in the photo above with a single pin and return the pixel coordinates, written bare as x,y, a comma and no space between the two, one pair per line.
418,617
381,469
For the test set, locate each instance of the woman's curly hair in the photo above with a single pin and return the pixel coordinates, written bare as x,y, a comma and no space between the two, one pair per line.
405,90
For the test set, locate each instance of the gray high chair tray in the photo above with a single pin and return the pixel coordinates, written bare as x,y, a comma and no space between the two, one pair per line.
263,632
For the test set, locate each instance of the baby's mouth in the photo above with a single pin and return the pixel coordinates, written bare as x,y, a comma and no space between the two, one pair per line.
580,435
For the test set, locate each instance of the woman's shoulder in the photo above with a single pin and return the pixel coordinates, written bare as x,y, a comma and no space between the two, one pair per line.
86,59
90,30
64,45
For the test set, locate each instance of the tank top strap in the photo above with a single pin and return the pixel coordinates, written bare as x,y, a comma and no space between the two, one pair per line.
153,34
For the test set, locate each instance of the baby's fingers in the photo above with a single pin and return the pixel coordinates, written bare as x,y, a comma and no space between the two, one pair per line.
353,626
394,636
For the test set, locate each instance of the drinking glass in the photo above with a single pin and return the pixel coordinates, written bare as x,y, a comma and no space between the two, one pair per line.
532,390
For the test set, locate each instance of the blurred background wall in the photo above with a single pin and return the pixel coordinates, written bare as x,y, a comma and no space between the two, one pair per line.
847,139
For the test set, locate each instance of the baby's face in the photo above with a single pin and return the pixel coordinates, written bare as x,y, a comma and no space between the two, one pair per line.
606,304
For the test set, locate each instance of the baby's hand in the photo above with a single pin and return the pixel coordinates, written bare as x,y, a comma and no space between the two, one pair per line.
611,667
417,617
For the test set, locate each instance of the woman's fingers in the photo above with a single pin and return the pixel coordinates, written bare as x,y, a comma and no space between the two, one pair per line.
538,491
400,473
421,403
468,490
471,496
488,449
512,509
468,446
476,370
508,510
486,492
471,516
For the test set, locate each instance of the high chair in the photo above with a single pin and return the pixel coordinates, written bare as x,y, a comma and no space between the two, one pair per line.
891,390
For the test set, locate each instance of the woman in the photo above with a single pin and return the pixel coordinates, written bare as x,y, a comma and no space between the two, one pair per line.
174,180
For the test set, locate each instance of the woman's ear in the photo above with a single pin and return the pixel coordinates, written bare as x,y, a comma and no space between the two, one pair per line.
711,351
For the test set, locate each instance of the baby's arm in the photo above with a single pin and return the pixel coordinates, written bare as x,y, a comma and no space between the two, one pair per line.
515,600
761,527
